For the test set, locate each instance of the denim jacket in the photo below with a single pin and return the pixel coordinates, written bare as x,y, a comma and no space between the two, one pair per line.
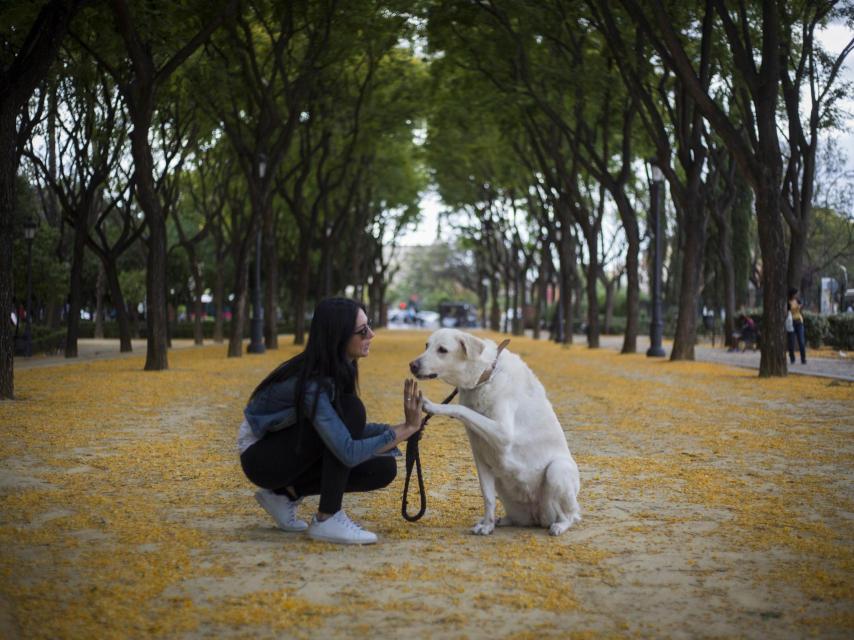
274,408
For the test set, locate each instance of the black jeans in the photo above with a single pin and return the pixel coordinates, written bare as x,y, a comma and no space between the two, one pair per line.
275,462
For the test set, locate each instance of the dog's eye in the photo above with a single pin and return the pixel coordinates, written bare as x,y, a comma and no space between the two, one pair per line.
442,350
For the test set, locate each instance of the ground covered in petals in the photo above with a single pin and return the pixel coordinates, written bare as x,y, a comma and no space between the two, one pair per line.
714,504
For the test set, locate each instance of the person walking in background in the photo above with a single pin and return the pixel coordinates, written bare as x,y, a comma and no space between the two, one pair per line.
795,330
305,431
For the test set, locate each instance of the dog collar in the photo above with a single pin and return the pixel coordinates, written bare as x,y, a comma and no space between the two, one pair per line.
487,373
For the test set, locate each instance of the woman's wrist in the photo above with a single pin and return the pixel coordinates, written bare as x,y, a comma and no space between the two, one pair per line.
403,431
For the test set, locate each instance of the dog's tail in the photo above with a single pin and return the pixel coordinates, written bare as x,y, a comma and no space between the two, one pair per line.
560,487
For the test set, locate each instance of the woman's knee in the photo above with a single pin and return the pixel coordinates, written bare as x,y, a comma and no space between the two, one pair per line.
384,471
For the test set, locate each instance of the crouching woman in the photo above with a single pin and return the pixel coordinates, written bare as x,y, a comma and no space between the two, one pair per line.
305,431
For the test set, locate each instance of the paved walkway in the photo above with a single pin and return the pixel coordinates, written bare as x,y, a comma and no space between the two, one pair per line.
828,365
94,349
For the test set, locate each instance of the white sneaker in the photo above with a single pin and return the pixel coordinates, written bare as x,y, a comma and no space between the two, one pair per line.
339,528
282,509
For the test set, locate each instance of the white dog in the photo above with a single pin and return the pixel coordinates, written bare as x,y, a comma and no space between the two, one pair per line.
518,444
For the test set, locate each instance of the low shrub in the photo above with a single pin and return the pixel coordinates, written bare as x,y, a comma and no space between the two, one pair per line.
44,340
617,328
816,328
840,331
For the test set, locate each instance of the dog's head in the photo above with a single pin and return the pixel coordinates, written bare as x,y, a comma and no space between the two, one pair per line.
452,356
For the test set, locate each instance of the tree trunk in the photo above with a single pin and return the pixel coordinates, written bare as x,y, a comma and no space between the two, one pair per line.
495,308
75,292
156,358
303,274
518,304
540,294
774,272
52,315
171,317
99,303
8,171
483,301
742,214
238,311
566,273
382,287
133,315
271,286
630,227
725,256
218,295
797,250
506,322
592,295
122,316
694,235
198,305
610,286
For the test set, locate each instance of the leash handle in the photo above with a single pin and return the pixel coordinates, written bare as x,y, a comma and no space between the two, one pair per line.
413,459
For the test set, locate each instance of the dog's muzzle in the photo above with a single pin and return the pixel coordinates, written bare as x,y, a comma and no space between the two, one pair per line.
415,368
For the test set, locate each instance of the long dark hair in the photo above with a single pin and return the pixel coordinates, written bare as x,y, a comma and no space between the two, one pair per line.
325,354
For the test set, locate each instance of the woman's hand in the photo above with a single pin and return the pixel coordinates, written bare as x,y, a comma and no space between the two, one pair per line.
413,402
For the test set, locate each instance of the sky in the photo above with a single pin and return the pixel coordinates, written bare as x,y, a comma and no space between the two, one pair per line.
834,38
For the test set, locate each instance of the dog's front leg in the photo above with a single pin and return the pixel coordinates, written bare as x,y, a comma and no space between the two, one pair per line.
486,478
495,432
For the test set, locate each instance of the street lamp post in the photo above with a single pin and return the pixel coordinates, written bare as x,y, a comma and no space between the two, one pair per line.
656,326
256,343
29,234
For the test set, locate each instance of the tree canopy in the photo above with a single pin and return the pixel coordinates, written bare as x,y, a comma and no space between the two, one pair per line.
183,140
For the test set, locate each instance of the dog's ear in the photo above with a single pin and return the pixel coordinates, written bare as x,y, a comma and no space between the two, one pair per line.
471,346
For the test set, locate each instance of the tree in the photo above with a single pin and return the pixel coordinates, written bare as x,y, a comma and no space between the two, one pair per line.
749,129
29,50
153,49
806,64
90,139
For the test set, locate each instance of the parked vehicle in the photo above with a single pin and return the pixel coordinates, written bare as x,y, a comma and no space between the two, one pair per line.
457,314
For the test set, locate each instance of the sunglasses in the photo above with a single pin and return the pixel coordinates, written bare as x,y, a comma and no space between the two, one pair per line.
364,331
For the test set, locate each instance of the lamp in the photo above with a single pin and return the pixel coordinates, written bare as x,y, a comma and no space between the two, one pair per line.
30,227
262,165
656,325
256,343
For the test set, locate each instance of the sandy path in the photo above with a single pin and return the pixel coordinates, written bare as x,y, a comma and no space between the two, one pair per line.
714,504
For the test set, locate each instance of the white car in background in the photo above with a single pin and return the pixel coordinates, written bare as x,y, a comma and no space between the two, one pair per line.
400,319
428,319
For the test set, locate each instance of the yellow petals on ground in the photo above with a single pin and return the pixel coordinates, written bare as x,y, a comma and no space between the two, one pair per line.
714,504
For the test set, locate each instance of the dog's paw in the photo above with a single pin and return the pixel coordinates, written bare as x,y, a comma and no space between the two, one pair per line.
432,408
483,528
558,528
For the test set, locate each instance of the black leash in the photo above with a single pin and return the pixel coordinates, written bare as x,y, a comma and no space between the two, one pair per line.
413,459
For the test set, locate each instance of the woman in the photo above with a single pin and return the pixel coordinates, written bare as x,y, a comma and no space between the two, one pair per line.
797,328
305,432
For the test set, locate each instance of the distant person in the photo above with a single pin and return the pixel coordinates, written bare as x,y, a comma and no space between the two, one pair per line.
797,329
749,331
305,431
